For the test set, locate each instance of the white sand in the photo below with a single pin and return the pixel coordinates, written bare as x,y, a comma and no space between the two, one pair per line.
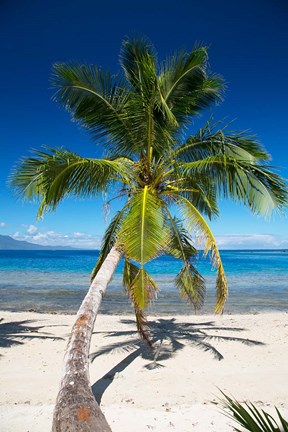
181,396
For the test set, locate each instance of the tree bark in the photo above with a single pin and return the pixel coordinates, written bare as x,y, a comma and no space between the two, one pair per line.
76,409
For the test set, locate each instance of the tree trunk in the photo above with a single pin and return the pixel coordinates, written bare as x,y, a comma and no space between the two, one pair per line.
76,409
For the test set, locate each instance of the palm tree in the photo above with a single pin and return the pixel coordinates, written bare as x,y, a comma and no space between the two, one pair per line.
141,117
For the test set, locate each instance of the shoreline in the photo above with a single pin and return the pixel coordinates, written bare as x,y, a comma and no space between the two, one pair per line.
151,314
180,395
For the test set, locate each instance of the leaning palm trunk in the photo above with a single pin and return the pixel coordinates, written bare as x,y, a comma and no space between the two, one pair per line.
76,408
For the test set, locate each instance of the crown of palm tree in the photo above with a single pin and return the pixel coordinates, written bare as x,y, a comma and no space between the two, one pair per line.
140,117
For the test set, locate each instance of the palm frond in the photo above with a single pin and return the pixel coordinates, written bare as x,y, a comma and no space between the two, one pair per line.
211,140
26,178
198,189
58,173
143,233
99,102
141,289
191,285
185,85
151,113
140,286
236,165
130,272
196,222
138,60
252,418
142,326
257,186
144,288
180,244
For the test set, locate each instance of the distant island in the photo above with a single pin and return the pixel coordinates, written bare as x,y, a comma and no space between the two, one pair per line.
8,243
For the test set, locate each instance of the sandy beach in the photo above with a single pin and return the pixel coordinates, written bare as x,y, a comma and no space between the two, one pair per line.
180,394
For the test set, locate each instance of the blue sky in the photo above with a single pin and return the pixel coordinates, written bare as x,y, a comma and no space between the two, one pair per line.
248,45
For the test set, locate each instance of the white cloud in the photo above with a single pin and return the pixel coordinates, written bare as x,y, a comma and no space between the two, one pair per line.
251,241
78,234
84,240
54,238
2,224
31,229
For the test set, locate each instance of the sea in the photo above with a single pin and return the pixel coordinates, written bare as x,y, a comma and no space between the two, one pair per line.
56,282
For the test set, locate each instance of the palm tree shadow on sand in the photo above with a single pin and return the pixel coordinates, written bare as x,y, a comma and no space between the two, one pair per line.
168,338
16,332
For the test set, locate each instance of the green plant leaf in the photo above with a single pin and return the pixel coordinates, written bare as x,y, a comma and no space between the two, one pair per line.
255,185
252,418
97,101
141,289
143,234
196,222
57,173
139,284
191,285
185,85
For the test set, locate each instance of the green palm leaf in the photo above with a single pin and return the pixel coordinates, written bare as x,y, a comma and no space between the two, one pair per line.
99,102
141,289
59,173
190,283
144,288
212,141
196,222
180,245
138,60
142,326
143,234
198,189
140,286
86,177
185,85
257,186
151,113
253,419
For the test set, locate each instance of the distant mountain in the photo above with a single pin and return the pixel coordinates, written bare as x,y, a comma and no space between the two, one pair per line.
8,243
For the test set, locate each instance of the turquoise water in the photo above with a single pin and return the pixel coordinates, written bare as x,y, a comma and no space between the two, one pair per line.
56,281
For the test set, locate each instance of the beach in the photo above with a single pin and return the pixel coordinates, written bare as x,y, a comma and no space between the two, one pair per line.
180,394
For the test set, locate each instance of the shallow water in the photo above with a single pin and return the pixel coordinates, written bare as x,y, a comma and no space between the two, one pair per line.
56,281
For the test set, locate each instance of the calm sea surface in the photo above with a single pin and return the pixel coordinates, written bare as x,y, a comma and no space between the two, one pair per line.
56,281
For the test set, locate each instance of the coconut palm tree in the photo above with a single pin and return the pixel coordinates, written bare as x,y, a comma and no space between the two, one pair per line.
154,167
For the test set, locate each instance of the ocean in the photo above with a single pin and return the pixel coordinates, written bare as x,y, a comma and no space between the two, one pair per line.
56,281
